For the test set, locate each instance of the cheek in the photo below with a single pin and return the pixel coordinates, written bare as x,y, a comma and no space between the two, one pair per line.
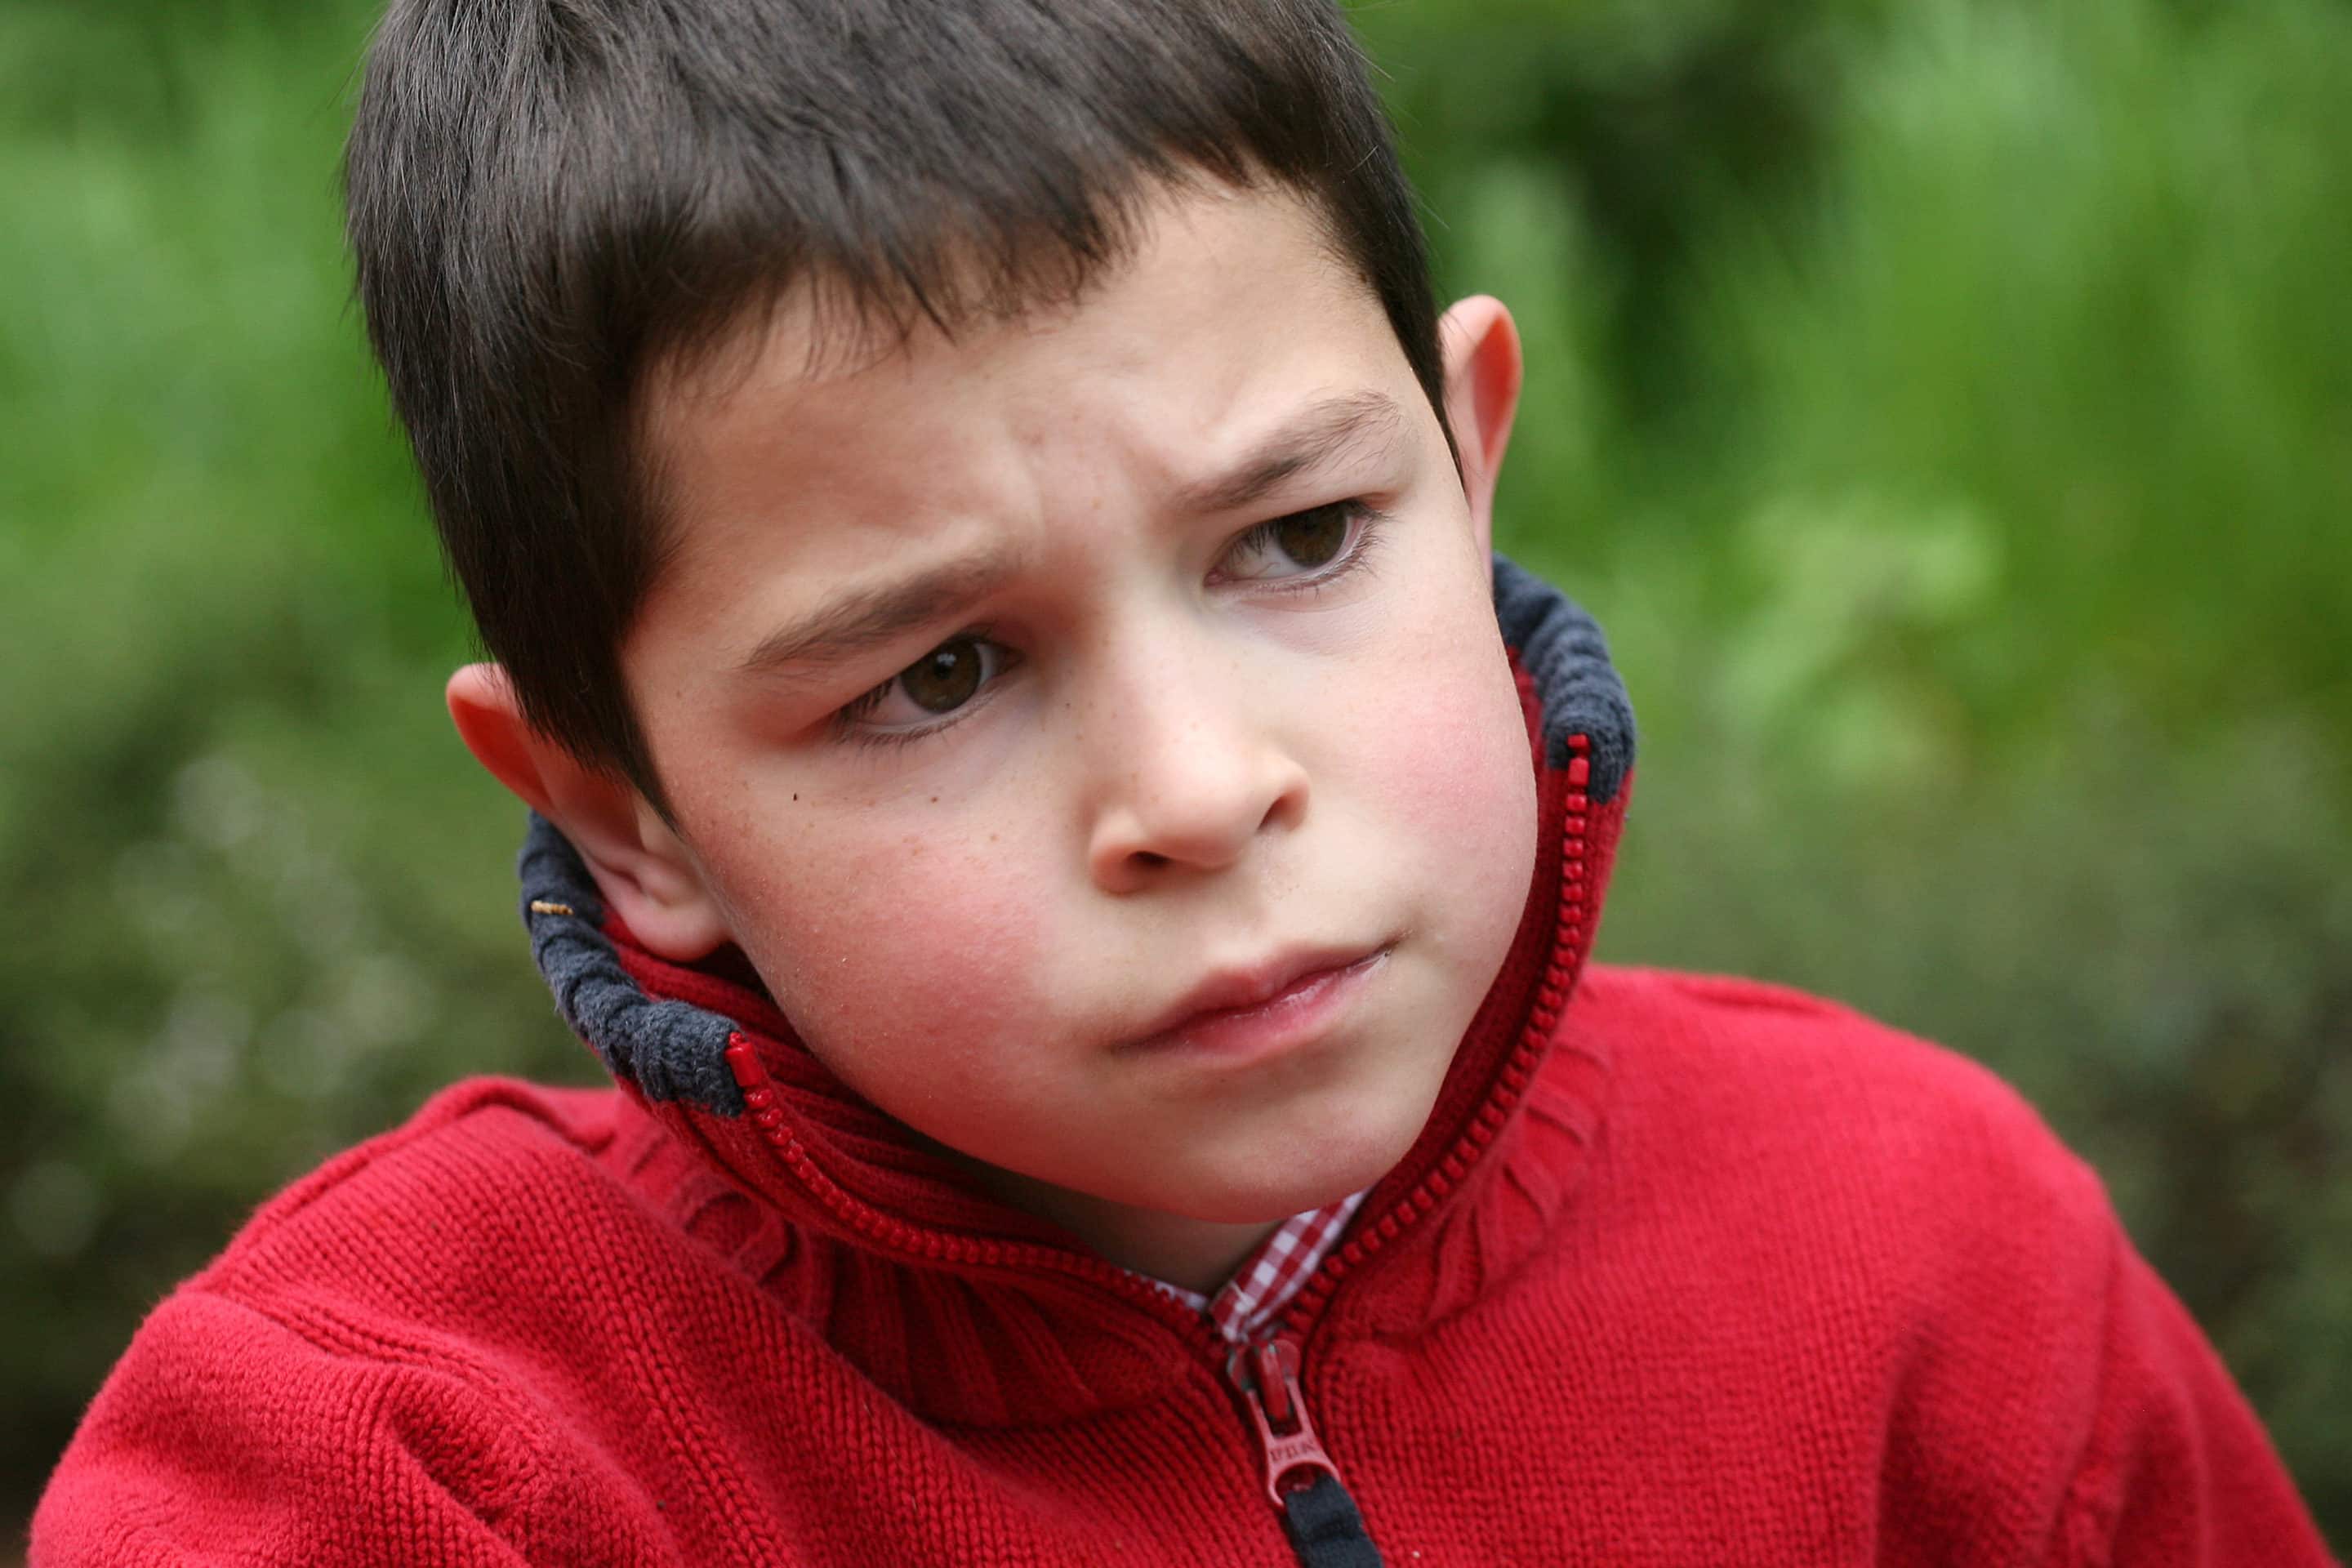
1463,771
1457,788
898,964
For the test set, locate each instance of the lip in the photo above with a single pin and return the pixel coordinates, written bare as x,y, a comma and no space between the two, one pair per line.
1264,1005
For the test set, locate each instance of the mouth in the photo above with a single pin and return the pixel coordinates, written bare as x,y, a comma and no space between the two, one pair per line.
1259,1007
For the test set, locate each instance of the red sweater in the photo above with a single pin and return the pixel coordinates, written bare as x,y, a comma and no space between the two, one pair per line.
1682,1272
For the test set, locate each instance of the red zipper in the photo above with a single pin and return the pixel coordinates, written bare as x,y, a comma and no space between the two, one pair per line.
1266,1375
1511,1083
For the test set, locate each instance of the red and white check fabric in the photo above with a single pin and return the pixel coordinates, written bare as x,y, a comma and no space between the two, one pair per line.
1247,1304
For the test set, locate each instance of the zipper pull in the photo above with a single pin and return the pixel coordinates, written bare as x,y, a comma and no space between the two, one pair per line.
1301,1481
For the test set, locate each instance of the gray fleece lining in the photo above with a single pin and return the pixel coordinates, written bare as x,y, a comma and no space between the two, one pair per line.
670,1050
674,1051
1563,652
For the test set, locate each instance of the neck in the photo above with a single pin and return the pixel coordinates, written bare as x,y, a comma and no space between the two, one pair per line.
1198,1255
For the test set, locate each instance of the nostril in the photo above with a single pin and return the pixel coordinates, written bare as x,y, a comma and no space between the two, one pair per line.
1148,860
1288,810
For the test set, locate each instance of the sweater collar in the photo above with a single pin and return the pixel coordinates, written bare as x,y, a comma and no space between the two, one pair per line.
710,1055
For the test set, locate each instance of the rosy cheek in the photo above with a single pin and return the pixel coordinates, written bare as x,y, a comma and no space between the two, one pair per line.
1459,796
900,962
1459,746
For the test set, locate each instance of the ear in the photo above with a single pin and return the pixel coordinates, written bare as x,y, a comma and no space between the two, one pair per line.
644,870
1481,350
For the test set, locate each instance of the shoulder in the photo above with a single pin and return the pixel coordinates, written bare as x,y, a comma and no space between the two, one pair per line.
1890,1217
433,1232
354,1346
1934,1187
1863,1211
1819,1094
453,1224
1712,1023
472,1151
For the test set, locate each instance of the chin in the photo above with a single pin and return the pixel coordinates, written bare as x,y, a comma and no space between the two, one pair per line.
1344,1155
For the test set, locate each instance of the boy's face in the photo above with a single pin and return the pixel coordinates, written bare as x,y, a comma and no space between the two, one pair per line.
1003,731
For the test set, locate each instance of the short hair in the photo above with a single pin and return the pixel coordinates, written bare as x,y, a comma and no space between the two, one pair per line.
547,200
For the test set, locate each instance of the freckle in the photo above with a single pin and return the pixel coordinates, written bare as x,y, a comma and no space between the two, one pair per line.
796,797
935,800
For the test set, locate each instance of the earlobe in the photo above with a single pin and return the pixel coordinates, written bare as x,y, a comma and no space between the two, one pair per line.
1483,369
644,871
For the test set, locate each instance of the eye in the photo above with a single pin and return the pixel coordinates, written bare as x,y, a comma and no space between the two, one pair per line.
941,683
1319,539
945,678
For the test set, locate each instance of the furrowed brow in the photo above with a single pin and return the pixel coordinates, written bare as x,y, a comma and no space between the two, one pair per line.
868,617
1324,432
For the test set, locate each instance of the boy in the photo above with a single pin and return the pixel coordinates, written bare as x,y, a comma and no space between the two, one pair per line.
1081,866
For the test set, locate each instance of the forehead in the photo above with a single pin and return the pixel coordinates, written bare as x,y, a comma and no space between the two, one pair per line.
1231,310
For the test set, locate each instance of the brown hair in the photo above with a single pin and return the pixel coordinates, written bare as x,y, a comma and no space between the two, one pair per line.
547,198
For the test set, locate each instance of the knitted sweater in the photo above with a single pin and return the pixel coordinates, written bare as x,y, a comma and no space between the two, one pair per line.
1681,1271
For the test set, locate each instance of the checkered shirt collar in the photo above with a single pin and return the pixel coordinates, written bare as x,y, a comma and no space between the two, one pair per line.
1248,1303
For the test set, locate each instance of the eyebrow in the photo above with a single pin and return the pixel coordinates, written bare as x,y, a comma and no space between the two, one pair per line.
868,617
1319,435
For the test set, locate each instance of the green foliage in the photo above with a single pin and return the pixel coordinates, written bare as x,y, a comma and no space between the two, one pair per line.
1943,405
253,908
1968,508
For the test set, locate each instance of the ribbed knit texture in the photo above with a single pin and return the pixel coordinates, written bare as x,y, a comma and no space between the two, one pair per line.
1683,1271
1823,1295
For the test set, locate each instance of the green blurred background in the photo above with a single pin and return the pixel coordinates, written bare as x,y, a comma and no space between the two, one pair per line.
1947,406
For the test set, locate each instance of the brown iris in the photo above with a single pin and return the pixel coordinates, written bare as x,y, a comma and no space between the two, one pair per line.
944,678
1313,538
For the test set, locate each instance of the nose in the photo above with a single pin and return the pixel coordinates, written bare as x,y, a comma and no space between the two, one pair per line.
1191,770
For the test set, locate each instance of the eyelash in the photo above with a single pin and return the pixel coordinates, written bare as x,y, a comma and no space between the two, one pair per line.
845,725
1369,522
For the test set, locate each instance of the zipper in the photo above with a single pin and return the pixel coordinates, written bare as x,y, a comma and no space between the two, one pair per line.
1302,1480
1266,1374
1518,1070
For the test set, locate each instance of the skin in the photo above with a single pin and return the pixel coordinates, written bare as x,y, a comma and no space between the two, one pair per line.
1192,749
